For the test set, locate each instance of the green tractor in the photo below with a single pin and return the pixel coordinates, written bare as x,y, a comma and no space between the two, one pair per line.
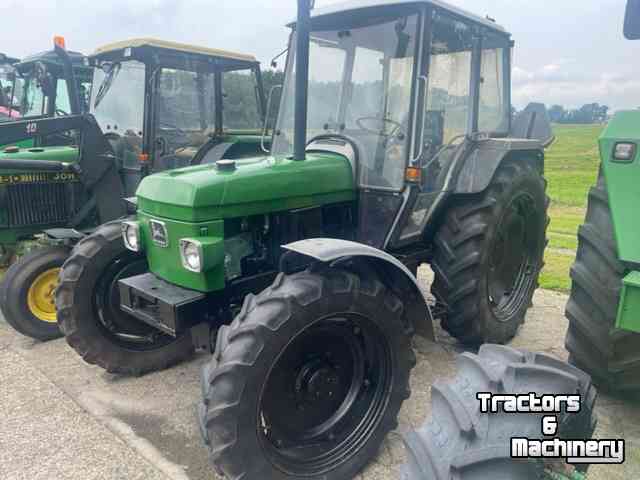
394,146
10,88
41,91
604,306
155,106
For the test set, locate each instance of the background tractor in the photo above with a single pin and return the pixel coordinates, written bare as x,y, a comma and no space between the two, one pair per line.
36,87
10,87
394,131
604,306
155,105
44,93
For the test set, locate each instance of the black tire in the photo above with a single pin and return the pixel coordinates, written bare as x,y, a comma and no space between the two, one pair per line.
7,255
609,355
238,398
459,441
89,314
17,287
470,263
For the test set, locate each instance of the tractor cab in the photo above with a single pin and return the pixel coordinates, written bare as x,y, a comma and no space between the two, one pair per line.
10,88
402,88
165,105
45,92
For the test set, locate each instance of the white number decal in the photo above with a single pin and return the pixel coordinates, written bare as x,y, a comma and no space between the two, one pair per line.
32,127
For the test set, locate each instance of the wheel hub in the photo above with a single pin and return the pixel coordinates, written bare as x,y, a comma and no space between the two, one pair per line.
511,269
318,382
41,298
324,394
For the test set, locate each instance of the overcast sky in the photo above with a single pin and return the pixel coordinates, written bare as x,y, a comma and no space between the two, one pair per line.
567,51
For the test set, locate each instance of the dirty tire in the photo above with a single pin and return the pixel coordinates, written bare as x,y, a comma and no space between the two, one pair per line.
610,356
88,275
234,418
459,441
469,250
14,292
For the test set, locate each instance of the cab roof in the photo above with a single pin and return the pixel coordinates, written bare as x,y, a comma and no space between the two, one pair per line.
355,5
51,58
172,47
4,59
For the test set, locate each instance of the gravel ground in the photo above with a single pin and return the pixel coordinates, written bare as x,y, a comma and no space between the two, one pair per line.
63,419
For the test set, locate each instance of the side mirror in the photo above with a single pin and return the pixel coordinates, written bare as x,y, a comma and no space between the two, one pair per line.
632,20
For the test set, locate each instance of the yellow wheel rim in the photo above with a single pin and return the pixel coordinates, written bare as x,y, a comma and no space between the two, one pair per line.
41,297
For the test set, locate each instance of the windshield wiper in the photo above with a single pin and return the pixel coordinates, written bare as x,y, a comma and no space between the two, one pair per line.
105,86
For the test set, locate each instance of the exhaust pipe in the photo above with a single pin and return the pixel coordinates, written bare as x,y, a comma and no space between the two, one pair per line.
303,28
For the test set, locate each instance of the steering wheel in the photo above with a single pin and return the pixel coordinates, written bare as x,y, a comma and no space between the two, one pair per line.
382,122
175,128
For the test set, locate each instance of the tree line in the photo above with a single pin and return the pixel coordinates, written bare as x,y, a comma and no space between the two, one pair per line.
587,114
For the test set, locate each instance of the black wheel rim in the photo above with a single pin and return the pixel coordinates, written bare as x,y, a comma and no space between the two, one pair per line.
514,261
123,329
325,395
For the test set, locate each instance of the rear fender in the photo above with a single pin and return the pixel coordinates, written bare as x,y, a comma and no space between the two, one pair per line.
483,161
395,275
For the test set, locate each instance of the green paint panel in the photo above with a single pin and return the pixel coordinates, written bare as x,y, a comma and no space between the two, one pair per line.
629,309
23,144
623,183
166,262
55,154
257,186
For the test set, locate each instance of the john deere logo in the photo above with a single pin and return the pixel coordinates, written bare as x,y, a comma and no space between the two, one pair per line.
159,233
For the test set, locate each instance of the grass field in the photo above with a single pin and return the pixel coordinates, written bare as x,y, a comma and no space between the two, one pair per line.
571,169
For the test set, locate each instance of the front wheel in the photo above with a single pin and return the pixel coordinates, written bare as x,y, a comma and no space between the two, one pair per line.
308,379
89,313
489,253
27,293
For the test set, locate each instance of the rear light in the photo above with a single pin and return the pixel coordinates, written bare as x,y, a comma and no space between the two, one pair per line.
624,152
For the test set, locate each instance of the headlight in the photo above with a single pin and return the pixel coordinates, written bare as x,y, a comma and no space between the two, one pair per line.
624,152
131,235
191,255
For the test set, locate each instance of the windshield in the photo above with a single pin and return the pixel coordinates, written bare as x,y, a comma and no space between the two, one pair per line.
117,98
360,83
33,98
185,115
241,110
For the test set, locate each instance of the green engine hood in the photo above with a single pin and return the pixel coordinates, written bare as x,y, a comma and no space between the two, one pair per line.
57,154
256,186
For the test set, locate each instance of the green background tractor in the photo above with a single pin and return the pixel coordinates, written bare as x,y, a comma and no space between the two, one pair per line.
395,131
42,91
604,307
155,106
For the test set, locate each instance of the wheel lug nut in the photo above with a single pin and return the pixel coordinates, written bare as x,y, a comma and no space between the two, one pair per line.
357,330
367,383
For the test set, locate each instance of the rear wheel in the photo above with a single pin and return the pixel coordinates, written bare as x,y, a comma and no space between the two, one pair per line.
611,356
308,379
489,253
459,441
89,313
27,293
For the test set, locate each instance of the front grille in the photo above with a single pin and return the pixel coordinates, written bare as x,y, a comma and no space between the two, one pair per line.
39,204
